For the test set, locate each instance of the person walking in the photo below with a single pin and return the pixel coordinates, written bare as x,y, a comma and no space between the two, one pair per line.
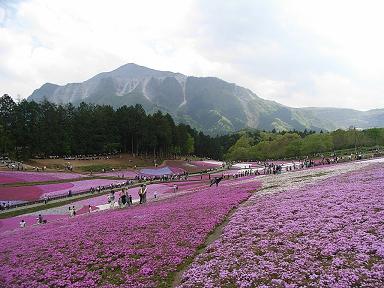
23,224
145,194
216,181
40,219
123,199
112,199
141,189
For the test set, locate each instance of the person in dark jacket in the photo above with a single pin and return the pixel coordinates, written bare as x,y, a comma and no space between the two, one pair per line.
216,181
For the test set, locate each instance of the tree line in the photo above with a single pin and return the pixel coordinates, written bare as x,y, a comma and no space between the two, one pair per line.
262,145
30,129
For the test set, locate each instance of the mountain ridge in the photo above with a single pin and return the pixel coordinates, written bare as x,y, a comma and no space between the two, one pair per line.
209,104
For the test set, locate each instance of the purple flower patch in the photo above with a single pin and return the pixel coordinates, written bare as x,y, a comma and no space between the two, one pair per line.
327,234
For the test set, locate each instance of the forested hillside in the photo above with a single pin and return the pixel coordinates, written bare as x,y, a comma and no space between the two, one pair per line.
29,129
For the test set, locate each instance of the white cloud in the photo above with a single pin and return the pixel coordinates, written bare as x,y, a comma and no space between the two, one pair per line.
340,91
2,15
70,41
299,53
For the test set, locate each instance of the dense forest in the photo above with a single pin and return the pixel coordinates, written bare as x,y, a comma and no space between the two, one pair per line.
29,129
278,145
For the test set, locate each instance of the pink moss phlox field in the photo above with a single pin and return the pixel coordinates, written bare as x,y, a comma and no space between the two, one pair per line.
124,174
30,193
19,176
329,234
79,186
82,205
14,222
207,164
134,247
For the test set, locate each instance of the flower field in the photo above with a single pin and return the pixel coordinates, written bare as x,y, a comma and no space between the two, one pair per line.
207,164
328,234
124,174
7,177
134,247
160,189
30,193
81,206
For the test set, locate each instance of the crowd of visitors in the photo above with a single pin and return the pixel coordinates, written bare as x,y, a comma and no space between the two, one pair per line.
163,178
11,164
82,157
124,199
5,205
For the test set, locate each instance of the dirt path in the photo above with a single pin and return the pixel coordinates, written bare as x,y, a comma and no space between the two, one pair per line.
212,237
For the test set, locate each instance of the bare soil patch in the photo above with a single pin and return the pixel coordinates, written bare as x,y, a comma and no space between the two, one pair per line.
122,161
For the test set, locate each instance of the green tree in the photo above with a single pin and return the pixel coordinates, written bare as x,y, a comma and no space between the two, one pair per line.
316,143
7,118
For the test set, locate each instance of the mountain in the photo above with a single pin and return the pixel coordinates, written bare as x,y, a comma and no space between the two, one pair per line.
206,103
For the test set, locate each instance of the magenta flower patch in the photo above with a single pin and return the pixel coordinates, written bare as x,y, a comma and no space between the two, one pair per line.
30,193
21,176
135,247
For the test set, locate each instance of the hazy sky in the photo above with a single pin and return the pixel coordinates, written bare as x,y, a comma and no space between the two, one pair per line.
298,53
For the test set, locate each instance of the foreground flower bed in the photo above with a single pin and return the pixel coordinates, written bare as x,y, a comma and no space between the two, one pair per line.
134,247
329,234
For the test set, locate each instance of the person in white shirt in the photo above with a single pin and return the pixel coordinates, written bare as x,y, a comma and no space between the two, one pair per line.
23,224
